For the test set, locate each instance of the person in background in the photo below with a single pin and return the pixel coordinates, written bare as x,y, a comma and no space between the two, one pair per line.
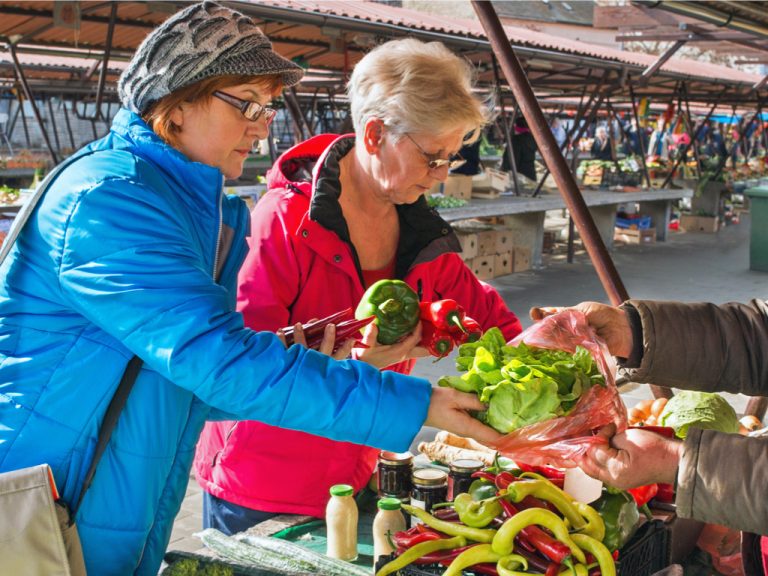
342,212
719,477
133,251
559,133
523,150
601,147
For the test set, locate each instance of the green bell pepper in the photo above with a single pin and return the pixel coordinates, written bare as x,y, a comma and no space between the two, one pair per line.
482,489
395,306
477,514
620,516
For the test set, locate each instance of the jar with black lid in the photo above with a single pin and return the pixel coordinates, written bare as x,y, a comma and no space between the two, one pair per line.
430,487
394,475
460,476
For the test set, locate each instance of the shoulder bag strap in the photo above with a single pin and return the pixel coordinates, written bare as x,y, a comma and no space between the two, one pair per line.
134,365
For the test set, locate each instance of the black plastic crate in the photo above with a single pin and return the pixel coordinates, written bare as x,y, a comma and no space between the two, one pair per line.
647,552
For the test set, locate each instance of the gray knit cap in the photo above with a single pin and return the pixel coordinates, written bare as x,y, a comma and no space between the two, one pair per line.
201,41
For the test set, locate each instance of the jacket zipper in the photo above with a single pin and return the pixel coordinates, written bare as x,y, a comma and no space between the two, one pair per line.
218,235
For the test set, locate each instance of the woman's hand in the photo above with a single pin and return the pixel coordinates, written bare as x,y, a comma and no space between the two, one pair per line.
382,355
610,324
448,411
633,458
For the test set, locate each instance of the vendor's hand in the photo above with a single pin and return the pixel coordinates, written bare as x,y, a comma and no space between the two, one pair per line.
326,345
633,458
609,322
383,355
448,411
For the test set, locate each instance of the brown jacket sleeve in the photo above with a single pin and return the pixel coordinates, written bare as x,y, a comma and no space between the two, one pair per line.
722,478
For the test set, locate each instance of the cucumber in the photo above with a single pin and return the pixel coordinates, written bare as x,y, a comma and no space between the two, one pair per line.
229,548
321,563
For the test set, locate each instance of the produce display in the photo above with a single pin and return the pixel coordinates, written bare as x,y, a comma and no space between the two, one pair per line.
522,385
9,195
513,522
699,410
439,201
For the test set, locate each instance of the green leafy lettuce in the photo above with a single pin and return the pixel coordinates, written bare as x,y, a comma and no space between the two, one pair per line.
688,409
521,384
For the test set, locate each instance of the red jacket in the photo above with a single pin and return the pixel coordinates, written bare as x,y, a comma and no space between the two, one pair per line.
300,266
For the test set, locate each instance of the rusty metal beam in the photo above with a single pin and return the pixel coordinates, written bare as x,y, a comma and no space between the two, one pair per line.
666,55
506,126
640,132
105,62
31,98
760,84
549,150
688,119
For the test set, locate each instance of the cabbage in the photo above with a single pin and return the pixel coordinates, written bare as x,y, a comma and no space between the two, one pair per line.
699,410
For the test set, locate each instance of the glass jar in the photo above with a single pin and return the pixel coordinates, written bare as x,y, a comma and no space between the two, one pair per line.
394,475
430,487
388,520
341,523
460,476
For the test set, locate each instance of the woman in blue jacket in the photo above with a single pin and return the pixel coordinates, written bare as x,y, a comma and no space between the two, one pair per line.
134,251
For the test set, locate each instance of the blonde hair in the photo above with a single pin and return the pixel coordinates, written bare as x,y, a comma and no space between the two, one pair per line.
413,86
158,115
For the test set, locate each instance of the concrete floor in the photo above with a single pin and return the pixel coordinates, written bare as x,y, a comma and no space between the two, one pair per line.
689,267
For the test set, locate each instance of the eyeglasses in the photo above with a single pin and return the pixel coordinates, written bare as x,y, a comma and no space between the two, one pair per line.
248,108
434,163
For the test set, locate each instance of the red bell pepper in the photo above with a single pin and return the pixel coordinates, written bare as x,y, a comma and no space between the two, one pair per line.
437,341
643,494
666,493
472,331
444,314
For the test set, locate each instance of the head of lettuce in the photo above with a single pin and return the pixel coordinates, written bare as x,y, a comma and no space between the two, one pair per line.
522,385
699,410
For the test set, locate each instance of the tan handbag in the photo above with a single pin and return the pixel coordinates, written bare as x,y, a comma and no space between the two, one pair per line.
38,535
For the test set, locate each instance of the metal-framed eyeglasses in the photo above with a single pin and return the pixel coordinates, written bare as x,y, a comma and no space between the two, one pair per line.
435,163
248,108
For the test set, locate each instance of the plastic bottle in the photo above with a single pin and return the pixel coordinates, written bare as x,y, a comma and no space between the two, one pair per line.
581,487
388,520
341,523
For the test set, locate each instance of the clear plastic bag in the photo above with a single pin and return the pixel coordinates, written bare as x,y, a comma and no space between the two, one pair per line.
557,441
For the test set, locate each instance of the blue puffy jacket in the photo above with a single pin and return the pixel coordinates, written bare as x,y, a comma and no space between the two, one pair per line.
116,261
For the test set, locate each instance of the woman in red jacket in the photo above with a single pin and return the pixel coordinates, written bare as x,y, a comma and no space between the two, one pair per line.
342,212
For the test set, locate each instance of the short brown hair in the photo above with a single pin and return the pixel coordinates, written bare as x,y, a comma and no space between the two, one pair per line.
158,115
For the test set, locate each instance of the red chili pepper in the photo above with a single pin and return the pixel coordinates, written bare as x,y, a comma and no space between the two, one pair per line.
553,569
405,540
485,476
535,562
504,479
643,494
486,569
448,514
533,502
438,342
543,542
442,555
443,313
546,471
472,331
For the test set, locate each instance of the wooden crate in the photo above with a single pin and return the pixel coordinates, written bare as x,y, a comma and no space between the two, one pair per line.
468,243
483,267
503,241
522,260
486,243
634,236
458,186
503,263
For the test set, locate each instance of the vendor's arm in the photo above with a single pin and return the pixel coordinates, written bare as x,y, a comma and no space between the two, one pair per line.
142,284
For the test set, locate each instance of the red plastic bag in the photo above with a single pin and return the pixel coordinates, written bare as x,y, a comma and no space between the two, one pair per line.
559,440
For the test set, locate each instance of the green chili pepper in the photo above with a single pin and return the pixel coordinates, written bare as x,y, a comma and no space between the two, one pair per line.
470,557
599,551
595,526
418,550
450,528
545,490
508,565
477,514
395,306
503,542
620,517
578,570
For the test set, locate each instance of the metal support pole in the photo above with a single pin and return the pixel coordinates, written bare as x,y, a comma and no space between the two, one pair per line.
640,133
525,98
105,61
295,109
666,55
53,124
689,128
69,126
28,94
24,121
